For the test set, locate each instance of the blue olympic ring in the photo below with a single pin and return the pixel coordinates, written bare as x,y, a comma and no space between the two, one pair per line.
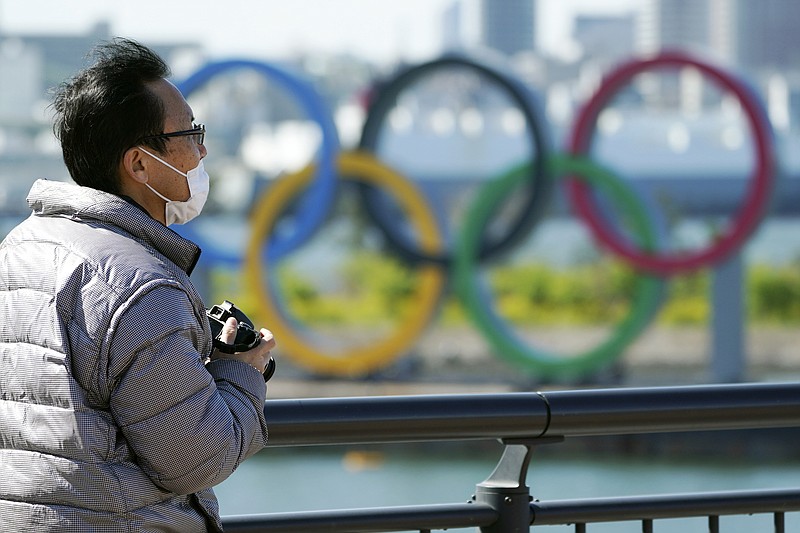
317,200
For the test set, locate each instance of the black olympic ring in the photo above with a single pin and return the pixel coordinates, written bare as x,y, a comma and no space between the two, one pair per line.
540,183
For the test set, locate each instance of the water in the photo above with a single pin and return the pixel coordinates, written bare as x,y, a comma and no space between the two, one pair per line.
280,480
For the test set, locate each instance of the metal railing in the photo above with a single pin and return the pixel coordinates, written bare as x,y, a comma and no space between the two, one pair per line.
502,503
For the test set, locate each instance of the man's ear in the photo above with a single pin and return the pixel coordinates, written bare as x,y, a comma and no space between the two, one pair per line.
134,165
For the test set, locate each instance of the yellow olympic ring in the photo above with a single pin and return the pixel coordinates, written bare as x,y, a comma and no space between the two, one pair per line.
358,166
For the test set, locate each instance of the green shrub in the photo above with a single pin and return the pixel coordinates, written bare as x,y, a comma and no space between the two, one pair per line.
374,288
774,294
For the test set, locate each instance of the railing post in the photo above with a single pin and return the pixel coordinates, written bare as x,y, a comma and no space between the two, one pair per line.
728,359
505,490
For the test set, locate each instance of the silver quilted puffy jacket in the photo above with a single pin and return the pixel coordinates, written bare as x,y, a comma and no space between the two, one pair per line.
109,420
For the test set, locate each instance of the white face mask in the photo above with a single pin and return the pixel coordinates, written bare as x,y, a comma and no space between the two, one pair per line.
181,212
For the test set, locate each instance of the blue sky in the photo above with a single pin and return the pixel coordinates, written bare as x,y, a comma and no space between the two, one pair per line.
382,30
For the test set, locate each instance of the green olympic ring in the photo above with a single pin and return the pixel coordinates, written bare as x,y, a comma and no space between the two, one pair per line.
507,344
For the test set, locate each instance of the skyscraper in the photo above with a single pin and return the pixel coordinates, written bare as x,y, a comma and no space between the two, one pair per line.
766,33
675,24
507,25
755,35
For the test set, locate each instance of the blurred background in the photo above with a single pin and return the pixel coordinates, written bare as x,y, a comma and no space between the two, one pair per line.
353,310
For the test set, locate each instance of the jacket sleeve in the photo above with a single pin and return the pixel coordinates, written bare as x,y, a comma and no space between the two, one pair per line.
189,428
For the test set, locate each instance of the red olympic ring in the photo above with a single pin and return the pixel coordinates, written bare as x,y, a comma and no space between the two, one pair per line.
750,212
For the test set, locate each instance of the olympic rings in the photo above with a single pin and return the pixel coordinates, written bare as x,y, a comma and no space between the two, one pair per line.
358,361
506,343
317,201
751,211
539,181
427,251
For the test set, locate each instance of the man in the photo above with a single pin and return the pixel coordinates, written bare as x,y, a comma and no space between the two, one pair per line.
116,414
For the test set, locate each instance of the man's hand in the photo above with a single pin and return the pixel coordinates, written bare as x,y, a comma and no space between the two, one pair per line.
257,357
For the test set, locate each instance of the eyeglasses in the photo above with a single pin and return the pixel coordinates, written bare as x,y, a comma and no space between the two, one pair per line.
198,132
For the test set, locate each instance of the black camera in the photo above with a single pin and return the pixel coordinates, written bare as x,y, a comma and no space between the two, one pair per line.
247,337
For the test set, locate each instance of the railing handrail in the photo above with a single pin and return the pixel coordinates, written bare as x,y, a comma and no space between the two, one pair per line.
398,518
503,502
628,508
554,512
531,415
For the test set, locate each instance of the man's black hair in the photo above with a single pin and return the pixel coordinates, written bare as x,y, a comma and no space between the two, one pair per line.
107,108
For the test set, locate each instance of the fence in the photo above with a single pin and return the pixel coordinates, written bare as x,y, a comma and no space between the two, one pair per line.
502,502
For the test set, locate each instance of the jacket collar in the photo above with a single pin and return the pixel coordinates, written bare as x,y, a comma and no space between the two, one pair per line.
57,198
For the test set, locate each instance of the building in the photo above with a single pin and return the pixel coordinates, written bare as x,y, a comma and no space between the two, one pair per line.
766,34
675,24
607,38
507,26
